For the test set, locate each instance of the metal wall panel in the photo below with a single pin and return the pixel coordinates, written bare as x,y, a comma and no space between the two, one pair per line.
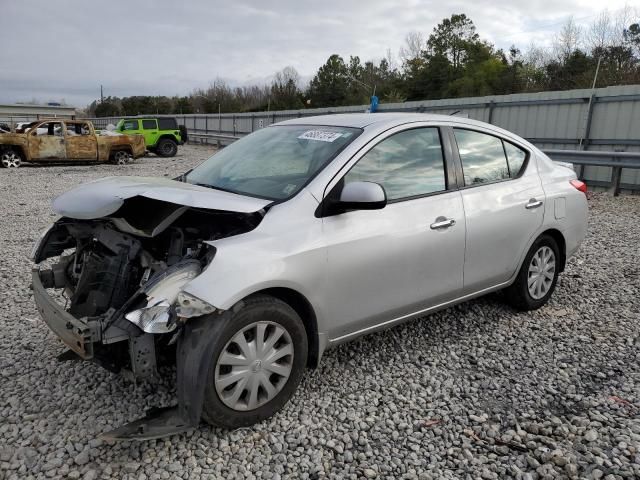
555,120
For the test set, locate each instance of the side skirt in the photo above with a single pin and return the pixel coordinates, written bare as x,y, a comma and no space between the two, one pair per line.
410,316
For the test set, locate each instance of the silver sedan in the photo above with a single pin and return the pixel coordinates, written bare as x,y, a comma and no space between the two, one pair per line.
296,238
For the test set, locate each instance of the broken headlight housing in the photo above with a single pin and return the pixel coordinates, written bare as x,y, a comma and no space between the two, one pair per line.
157,316
36,246
190,306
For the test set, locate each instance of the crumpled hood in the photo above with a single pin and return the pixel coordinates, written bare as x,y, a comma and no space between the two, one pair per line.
105,196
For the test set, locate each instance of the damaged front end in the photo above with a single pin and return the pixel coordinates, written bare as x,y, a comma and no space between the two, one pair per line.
109,277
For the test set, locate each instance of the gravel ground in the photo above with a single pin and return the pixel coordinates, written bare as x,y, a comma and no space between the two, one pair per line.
475,391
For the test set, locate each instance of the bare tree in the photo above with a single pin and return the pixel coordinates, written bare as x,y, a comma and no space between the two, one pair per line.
567,40
623,18
600,33
414,44
607,30
391,60
286,75
536,56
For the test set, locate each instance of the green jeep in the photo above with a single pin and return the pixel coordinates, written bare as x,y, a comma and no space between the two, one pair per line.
162,135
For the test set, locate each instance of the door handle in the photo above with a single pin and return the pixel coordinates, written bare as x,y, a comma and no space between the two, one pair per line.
533,203
442,222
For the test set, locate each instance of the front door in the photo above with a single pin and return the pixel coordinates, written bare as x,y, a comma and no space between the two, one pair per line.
46,141
504,207
385,264
81,143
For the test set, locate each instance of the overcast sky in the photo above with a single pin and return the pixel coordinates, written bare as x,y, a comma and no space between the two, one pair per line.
53,50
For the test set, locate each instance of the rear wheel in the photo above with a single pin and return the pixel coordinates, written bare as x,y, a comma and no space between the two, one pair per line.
537,277
166,147
258,361
121,157
10,159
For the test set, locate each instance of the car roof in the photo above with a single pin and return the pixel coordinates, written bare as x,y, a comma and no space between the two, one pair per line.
363,120
385,120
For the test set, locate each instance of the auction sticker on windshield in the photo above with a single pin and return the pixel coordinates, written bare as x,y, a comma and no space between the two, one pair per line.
320,135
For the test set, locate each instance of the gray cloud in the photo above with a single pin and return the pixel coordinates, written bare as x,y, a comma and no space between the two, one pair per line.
61,49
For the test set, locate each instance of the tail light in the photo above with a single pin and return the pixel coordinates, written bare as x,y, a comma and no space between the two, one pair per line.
578,185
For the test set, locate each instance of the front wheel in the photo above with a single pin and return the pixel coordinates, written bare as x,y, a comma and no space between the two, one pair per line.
537,277
10,159
259,357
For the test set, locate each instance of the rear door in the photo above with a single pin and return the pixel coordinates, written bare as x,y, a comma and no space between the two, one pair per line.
46,141
503,202
81,143
170,125
150,127
387,263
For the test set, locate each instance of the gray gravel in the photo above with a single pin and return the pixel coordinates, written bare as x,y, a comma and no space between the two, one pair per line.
476,391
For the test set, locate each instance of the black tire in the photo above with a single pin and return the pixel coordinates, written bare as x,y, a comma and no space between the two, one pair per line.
254,309
184,135
166,148
518,294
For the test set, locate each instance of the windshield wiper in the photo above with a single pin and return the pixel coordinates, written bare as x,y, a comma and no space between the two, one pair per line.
213,187
183,176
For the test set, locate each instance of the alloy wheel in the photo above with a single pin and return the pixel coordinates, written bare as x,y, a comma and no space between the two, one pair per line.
254,366
121,157
542,271
10,159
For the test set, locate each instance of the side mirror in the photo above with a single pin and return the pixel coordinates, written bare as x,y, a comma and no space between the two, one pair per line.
360,196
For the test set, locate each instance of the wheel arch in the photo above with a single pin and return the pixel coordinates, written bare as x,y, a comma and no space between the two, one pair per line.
18,148
168,137
562,244
305,311
119,148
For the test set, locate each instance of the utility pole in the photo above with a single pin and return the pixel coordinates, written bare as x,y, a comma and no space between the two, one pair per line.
595,77
101,95
587,120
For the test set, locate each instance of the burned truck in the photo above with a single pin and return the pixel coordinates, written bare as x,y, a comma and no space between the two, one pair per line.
57,140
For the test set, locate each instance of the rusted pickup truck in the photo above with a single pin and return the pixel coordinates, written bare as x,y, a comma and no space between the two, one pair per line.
67,140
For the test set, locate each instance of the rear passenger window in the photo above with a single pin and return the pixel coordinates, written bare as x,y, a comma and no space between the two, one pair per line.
406,164
167,124
149,125
482,156
516,157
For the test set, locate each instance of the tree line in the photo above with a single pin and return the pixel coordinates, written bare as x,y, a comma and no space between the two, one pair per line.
452,61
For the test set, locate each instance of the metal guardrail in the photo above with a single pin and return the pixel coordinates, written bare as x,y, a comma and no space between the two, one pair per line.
616,160
217,137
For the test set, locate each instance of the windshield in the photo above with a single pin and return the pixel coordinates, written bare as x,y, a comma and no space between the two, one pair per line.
273,163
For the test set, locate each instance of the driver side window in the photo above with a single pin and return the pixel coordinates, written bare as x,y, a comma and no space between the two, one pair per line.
406,164
50,128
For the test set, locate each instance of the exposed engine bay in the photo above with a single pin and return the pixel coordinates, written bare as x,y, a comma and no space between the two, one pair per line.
121,274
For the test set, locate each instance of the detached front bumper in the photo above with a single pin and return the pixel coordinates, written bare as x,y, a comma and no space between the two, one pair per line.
194,358
77,334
